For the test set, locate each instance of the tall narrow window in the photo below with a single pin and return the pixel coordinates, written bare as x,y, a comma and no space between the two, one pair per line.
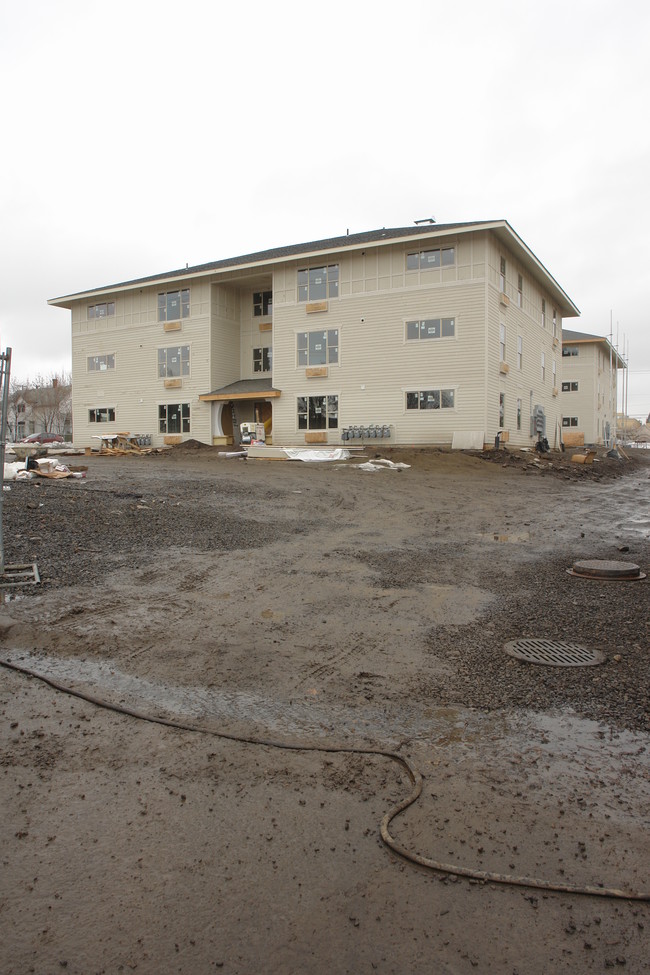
520,291
555,323
502,409
502,342
554,373
520,351
502,275
543,313
518,414
543,367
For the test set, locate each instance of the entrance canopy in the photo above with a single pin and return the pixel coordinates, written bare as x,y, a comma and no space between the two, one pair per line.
244,389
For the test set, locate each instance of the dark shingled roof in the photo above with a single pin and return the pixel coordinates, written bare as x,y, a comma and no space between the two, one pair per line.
331,243
253,386
568,335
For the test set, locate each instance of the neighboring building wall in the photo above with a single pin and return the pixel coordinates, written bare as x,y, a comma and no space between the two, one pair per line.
590,408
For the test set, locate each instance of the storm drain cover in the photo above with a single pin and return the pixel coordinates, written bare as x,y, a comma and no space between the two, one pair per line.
553,653
606,569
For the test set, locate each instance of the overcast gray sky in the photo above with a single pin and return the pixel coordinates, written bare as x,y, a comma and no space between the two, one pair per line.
142,135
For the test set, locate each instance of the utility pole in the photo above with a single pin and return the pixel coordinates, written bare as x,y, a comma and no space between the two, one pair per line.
5,373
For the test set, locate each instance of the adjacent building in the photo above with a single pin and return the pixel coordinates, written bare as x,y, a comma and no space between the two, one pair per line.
590,367
422,335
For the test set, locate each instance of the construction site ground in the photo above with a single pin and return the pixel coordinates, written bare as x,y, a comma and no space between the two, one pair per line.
322,606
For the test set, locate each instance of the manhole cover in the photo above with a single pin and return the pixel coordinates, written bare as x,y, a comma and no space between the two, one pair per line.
606,569
553,653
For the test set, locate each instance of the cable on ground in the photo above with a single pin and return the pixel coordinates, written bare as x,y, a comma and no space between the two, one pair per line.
483,876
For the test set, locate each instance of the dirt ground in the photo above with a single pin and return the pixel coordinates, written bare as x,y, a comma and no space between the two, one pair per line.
322,606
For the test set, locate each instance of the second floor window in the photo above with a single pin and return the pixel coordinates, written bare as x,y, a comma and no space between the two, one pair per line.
318,283
318,348
174,362
262,359
100,363
173,305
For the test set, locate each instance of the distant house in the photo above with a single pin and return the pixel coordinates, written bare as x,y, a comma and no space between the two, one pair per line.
41,409
590,367
422,334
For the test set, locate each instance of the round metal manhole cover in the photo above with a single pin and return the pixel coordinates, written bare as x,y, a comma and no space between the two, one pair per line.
553,653
606,569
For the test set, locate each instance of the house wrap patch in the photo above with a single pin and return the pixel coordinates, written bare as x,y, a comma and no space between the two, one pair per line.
553,653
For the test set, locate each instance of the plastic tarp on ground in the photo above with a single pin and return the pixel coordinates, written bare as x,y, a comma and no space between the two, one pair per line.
310,455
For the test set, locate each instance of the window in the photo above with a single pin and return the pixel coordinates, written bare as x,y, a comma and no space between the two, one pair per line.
318,412
569,350
262,303
431,328
520,291
430,399
100,363
502,409
101,311
103,414
502,342
520,351
570,387
554,373
174,418
317,283
431,259
318,348
262,359
173,305
174,362
543,367
569,421
543,313
502,275
518,414
555,323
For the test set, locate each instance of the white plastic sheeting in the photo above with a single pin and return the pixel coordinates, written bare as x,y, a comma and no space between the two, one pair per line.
314,455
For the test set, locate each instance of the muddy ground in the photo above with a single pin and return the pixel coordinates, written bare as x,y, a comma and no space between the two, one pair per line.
320,606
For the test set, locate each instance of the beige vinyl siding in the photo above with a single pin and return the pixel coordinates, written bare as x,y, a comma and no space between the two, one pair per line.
133,388
586,369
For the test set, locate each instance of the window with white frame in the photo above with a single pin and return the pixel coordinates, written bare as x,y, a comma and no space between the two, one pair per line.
431,399
520,351
554,367
101,363
431,259
174,362
173,305
502,275
570,387
430,328
543,313
543,367
502,409
569,421
262,359
318,348
101,414
518,414
174,418
569,350
102,310
502,342
555,323
317,283
318,412
520,291
262,303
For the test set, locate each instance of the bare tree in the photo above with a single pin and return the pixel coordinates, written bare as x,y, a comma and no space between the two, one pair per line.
49,401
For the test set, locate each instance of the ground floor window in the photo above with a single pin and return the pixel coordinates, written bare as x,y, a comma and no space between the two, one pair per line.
569,421
262,359
518,414
502,409
102,414
318,412
174,418
430,399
